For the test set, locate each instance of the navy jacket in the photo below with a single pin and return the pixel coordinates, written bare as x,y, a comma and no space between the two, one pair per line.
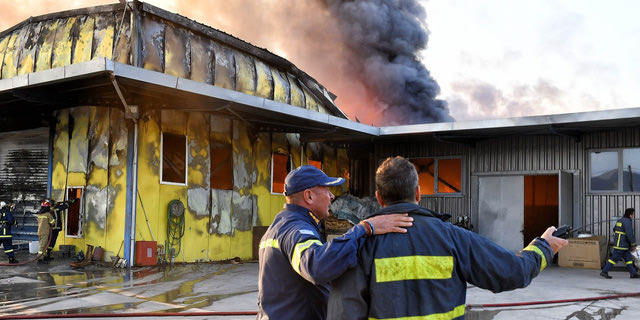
625,238
296,265
6,221
424,273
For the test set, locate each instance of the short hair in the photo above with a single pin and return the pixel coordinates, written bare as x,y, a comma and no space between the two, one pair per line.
629,212
396,180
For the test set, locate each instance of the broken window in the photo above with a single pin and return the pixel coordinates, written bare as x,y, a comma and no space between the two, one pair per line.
75,213
174,155
439,175
221,167
615,170
280,167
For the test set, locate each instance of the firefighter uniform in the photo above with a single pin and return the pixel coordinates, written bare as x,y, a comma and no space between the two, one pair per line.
625,240
296,266
57,213
423,274
45,222
6,238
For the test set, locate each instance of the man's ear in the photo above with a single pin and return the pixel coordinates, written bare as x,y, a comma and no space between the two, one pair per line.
418,194
379,198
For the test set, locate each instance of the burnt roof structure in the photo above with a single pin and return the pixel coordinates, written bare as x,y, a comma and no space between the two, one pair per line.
141,57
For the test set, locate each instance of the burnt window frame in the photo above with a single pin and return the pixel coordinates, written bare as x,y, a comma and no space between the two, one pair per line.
437,160
289,165
226,146
186,167
80,207
620,175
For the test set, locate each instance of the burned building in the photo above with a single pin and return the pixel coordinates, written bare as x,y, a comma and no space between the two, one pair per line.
166,130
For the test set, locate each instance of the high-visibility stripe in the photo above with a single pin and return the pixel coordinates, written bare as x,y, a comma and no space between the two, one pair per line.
300,248
413,268
269,243
537,250
629,262
457,312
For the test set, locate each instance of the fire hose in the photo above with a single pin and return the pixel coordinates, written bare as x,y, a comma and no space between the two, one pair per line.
130,315
25,262
529,303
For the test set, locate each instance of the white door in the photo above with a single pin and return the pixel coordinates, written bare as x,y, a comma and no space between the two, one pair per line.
501,210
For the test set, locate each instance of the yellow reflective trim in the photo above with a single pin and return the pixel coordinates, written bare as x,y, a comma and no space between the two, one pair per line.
300,248
456,312
537,250
413,268
269,243
618,224
628,262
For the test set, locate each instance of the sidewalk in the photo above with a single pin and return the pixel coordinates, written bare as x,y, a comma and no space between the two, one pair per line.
192,289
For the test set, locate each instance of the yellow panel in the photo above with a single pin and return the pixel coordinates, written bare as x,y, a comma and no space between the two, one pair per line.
63,43
117,181
262,186
219,247
225,70
152,44
174,121
149,181
103,36
310,101
123,36
9,65
79,143
297,96
201,60
167,194
246,74
175,58
82,50
264,80
281,87
59,178
242,244
198,141
3,48
48,33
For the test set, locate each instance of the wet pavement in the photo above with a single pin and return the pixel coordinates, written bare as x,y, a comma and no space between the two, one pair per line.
228,291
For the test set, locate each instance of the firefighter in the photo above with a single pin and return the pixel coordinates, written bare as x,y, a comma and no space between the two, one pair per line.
624,245
46,221
6,238
296,264
423,274
56,212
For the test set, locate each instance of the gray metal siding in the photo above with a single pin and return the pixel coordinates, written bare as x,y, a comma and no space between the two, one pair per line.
529,155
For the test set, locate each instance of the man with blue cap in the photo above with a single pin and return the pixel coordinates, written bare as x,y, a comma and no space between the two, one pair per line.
296,264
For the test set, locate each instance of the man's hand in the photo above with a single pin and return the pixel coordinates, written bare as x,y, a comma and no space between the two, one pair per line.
555,242
385,223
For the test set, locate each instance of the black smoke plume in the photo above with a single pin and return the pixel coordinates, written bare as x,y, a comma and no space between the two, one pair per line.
385,36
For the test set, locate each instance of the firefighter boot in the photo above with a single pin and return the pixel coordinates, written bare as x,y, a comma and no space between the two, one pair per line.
43,261
12,260
48,257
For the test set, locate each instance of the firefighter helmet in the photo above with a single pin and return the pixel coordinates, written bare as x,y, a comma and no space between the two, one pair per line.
46,203
2,204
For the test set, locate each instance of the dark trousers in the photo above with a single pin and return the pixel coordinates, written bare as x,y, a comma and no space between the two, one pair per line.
7,244
54,238
615,256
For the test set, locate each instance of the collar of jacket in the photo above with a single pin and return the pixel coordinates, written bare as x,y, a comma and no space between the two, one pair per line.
302,211
411,208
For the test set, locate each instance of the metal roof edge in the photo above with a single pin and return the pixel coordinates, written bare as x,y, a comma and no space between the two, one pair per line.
564,118
82,69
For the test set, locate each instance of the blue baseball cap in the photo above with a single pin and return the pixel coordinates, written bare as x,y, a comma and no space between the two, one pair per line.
305,177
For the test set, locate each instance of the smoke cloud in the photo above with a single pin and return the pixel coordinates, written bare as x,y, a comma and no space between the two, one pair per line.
363,51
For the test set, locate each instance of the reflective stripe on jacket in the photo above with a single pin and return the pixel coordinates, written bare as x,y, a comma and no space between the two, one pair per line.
625,238
423,274
296,265
6,221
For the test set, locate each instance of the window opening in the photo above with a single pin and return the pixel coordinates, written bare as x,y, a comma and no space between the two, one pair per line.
174,154
75,214
221,167
280,167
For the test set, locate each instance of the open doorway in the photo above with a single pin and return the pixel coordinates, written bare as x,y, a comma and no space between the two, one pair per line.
540,205
74,218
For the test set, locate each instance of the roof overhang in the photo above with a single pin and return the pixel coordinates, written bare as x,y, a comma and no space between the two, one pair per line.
570,124
103,82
